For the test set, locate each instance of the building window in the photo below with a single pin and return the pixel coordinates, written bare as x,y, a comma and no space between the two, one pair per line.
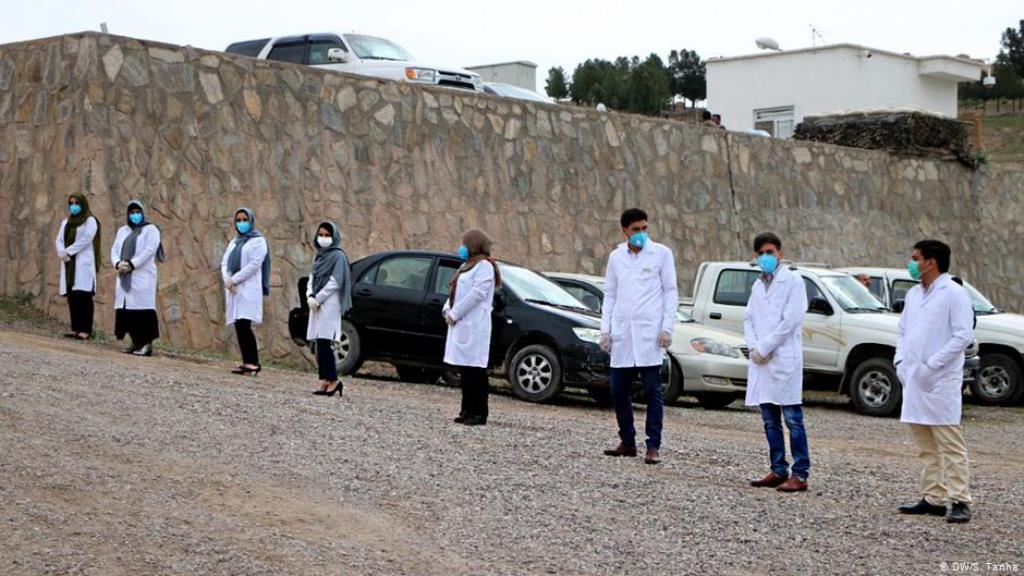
776,121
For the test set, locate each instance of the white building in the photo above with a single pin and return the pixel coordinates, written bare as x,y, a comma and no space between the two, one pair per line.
520,73
773,91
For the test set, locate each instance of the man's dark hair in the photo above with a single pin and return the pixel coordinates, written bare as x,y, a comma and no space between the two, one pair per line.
766,238
706,114
937,250
632,215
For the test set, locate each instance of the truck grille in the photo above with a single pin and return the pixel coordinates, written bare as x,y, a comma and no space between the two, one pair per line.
456,84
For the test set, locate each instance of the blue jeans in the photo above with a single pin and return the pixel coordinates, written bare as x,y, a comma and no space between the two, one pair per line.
622,388
794,415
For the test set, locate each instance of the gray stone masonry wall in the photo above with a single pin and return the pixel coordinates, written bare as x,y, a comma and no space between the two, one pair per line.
196,134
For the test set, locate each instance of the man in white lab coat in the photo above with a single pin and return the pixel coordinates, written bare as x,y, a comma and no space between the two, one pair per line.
936,326
637,319
773,328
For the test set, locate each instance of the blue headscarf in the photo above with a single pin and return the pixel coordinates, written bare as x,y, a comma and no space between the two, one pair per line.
235,258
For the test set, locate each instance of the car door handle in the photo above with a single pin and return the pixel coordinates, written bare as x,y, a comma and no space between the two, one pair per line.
364,292
715,315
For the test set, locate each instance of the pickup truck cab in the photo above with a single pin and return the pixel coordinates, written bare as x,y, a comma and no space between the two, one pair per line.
1000,336
357,54
849,337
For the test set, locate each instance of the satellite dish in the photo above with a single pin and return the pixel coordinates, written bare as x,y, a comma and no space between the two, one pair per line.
767,44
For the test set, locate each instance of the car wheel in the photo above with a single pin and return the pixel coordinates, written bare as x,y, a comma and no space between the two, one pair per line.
714,400
417,375
535,373
874,388
998,382
602,396
348,350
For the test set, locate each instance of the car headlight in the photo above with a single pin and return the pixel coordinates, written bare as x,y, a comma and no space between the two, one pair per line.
710,346
588,334
421,74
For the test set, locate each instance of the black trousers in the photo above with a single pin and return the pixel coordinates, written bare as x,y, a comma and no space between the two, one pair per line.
81,308
247,342
141,325
474,391
326,363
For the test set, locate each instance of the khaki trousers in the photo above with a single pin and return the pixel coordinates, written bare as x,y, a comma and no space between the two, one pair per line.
946,474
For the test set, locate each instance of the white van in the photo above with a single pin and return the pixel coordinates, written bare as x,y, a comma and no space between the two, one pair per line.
357,54
1000,335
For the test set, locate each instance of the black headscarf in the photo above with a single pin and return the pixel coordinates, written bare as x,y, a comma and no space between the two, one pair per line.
71,230
128,246
235,258
332,261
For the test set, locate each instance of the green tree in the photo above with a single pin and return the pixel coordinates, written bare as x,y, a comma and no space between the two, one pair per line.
650,88
557,86
597,81
688,74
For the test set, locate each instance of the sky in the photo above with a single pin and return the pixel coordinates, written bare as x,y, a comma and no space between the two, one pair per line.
548,33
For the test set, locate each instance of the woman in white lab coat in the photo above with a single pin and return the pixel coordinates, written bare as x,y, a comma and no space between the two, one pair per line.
468,314
329,295
78,246
245,270
136,251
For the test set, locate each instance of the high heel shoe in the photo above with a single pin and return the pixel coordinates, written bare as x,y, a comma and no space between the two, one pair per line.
338,387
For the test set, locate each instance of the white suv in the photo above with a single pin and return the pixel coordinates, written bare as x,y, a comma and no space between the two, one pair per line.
357,54
1000,335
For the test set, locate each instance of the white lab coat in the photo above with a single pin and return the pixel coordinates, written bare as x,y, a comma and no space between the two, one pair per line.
935,328
773,326
325,322
469,340
85,256
640,301
246,302
142,295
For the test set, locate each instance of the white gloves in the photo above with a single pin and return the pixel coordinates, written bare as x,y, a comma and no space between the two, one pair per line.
606,343
314,304
66,258
665,339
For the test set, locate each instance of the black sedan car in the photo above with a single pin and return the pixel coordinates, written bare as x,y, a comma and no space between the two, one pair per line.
542,339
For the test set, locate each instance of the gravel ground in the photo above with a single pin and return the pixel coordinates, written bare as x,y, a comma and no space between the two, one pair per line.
111,464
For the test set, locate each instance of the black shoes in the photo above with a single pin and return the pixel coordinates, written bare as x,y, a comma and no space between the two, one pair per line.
130,350
960,513
474,421
923,508
145,350
338,387
244,370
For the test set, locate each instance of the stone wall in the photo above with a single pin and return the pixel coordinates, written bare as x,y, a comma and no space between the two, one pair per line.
196,134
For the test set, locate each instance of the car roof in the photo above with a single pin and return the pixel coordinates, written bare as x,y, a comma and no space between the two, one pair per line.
873,270
591,278
817,270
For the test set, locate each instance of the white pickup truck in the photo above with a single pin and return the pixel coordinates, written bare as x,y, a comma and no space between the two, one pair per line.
1000,335
849,337
357,54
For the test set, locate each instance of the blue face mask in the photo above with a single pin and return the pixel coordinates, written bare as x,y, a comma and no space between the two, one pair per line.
914,269
135,218
464,252
75,209
243,226
768,263
638,240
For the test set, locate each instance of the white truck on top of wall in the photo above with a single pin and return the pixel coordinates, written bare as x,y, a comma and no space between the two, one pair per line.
849,337
357,54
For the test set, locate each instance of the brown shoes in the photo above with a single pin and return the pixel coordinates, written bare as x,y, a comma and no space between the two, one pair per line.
622,450
772,480
794,484
652,456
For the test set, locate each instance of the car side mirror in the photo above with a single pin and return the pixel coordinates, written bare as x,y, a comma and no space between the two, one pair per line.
337,55
820,306
898,305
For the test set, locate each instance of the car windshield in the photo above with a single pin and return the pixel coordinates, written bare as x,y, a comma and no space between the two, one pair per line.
851,295
372,48
531,286
981,304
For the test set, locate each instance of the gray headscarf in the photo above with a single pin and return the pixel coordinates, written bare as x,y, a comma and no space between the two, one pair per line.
235,258
332,261
128,246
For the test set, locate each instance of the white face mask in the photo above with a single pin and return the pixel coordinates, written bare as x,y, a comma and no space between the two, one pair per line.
324,241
